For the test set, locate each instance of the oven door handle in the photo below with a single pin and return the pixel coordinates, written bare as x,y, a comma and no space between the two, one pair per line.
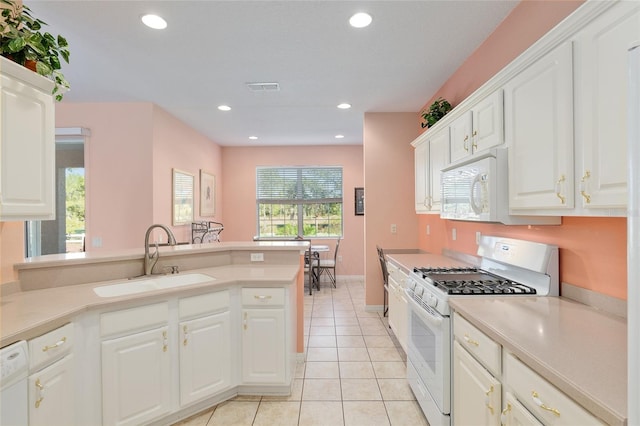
422,312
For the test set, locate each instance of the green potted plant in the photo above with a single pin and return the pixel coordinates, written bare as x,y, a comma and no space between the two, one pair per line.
24,43
436,111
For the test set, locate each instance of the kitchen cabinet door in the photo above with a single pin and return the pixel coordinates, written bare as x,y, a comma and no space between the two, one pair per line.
438,159
488,122
602,88
478,129
422,185
460,132
539,133
52,394
27,144
136,377
476,393
394,305
264,352
205,357
431,156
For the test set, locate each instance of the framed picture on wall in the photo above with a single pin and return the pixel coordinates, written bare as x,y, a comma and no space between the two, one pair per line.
359,201
182,197
207,194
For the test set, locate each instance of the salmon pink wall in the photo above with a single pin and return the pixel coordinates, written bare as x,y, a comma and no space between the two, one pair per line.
592,250
118,165
239,192
175,145
129,157
389,191
11,249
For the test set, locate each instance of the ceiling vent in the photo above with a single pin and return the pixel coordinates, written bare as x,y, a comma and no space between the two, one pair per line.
263,87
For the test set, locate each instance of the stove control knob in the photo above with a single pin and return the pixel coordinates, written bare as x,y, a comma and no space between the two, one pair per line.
432,301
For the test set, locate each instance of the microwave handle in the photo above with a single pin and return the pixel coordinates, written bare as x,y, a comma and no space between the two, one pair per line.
472,201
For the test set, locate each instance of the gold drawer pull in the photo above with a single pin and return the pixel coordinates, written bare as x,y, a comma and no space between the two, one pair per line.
559,189
503,416
488,399
56,345
583,187
186,335
165,341
470,341
466,138
39,393
539,403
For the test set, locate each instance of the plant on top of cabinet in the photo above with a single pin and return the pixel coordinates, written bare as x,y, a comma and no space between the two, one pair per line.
24,43
438,109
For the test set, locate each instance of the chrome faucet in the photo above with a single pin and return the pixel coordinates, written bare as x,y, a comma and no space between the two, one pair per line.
150,259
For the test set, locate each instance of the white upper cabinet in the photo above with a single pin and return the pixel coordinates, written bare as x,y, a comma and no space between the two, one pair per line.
27,144
479,128
431,156
601,82
539,133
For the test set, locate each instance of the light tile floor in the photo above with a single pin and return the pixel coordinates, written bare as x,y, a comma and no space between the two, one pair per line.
353,375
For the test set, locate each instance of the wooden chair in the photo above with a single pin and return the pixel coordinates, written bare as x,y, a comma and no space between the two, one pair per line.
311,263
328,266
385,280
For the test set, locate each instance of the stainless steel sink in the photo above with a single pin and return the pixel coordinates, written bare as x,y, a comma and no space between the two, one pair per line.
150,284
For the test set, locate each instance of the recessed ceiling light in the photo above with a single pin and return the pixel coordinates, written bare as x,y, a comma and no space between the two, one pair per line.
224,108
253,138
360,20
344,106
154,21
339,136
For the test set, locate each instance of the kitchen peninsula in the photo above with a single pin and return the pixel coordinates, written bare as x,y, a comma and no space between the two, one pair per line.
244,319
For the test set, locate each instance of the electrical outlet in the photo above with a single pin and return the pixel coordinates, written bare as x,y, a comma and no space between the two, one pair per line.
257,257
96,242
478,235
454,234
428,229
394,228
340,259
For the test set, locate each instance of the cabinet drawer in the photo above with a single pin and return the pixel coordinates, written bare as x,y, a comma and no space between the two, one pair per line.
134,319
545,401
477,343
50,347
203,304
263,296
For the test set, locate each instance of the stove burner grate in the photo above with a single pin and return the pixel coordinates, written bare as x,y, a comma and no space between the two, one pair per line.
470,281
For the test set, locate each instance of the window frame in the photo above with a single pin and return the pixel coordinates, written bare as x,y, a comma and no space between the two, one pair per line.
300,196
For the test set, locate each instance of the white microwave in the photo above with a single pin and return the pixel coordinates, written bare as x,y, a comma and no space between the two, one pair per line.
477,190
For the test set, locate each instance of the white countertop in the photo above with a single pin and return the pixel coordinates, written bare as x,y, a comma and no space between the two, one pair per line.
580,350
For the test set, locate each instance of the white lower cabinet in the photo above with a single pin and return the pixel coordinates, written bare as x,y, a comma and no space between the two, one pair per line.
263,346
52,378
136,365
205,357
398,305
51,394
136,374
491,386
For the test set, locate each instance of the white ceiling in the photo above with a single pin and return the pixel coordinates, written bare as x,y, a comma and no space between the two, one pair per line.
211,49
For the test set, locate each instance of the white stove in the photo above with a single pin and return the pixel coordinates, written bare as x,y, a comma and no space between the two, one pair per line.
508,268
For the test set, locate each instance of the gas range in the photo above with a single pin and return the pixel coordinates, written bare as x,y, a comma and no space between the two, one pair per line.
508,267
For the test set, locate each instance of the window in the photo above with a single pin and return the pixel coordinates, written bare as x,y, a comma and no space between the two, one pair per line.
305,201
